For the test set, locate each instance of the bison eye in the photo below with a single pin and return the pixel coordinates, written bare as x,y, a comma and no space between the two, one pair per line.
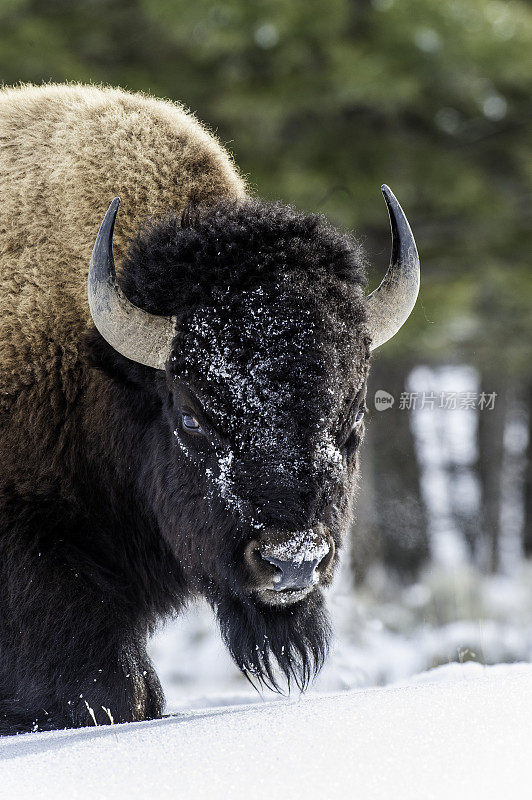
360,416
190,423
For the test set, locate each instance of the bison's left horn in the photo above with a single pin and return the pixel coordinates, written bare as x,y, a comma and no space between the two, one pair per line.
136,334
389,306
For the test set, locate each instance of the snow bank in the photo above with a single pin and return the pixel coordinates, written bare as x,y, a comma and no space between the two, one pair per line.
457,731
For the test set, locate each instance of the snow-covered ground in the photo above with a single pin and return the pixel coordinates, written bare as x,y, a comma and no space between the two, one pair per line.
461,730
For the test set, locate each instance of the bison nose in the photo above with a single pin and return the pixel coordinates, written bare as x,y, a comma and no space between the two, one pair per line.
282,561
293,574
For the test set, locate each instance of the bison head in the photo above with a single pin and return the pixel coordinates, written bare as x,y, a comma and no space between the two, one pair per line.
254,317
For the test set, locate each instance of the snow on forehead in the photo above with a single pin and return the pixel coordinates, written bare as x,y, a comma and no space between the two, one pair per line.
268,365
260,356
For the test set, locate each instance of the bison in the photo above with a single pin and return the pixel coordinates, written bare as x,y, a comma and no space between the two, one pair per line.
189,428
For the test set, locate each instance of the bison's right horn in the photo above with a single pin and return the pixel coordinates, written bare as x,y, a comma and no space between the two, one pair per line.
136,334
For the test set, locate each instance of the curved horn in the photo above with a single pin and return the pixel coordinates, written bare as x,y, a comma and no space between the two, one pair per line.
136,334
389,306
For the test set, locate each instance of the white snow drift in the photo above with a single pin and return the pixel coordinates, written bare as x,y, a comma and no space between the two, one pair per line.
460,731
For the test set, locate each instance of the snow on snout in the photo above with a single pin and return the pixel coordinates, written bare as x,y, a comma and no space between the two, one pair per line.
309,545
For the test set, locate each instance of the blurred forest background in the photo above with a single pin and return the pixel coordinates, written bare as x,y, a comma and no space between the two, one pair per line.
322,101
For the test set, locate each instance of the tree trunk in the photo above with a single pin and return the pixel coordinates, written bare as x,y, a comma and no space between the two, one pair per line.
491,453
527,521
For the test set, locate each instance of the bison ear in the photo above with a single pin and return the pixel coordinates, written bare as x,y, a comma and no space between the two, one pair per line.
134,333
390,305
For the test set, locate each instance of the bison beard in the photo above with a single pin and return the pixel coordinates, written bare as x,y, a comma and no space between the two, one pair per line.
295,639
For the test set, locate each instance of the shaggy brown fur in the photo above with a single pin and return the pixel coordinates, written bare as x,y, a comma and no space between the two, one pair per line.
65,152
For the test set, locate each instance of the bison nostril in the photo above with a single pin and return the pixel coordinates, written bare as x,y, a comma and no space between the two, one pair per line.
268,564
262,572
